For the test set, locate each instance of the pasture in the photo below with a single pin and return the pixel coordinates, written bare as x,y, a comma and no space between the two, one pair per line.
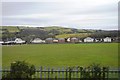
59,55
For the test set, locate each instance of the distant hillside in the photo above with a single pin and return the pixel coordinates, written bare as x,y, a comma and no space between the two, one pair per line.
10,29
28,33
80,35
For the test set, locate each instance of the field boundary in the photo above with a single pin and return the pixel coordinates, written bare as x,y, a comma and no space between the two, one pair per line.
71,73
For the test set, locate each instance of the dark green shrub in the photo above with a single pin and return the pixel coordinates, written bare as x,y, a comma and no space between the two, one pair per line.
20,70
94,71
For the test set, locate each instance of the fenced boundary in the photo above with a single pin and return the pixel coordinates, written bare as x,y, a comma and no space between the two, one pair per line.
77,73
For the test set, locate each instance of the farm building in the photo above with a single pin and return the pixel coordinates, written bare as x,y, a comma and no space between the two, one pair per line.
37,40
107,39
61,40
49,40
88,39
19,41
74,40
55,40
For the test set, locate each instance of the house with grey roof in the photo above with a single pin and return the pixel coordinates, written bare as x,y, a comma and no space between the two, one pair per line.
89,39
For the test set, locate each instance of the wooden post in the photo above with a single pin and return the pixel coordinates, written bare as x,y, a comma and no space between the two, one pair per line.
41,72
81,72
58,73
44,72
103,73
52,70
70,69
107,73
77,72
66,73
63,72
48,73
55,74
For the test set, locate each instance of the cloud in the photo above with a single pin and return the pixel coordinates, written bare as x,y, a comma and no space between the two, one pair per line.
91,1
77,13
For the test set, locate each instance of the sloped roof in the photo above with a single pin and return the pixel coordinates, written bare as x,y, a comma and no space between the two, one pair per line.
88,38
37,39
107,38
49,39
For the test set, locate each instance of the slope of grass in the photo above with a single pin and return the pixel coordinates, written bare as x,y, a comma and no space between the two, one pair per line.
57,28
81,35
11,28
62,54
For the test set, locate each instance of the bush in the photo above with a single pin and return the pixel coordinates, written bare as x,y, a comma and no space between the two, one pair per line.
20,70
94,71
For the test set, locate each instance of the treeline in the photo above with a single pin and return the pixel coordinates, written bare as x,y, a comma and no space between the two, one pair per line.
28,33
103,34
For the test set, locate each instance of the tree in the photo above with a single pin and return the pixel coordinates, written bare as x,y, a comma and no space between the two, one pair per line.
20,70
93,72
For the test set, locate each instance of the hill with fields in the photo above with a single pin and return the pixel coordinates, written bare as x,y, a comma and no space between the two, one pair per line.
28,33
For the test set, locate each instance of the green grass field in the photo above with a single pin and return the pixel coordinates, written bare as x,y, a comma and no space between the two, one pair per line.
73,35
62,54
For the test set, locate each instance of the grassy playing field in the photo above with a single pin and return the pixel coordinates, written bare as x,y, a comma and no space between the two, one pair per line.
62,54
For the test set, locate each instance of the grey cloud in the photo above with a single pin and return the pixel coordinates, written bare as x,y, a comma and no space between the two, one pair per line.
37,21
65,13
21,8
109,9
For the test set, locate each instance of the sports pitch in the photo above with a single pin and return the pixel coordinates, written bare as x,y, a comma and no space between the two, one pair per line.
59,55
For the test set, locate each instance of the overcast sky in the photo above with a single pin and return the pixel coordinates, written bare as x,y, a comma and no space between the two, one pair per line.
81,14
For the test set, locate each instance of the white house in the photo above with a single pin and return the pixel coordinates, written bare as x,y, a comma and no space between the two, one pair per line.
19,41
107,39
88,39
37,40
1,42
68,40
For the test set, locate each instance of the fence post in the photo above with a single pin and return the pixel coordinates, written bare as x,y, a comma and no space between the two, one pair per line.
107,70
73,73
70,69
66,73
81,71
48,73
77,72
52,70
63,72
58,73
41,72
55,74
45,72
103,73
